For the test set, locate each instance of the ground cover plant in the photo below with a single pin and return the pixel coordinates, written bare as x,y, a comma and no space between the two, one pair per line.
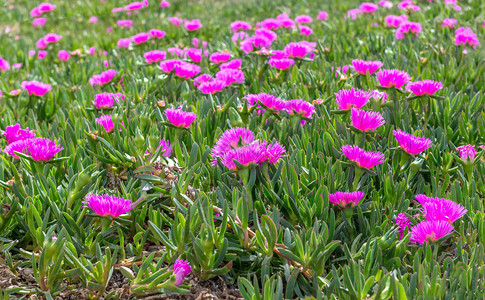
242,149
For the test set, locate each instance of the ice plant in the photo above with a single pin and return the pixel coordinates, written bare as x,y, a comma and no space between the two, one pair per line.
407,27
36,88
425,87
107,122
212,86
103,78
186,70
106,100
166,148
467,152
42,149
156,33
300,108
346,199
154,56
362,158
402,221
4,65
366,120
168,65
430,231
465,36
450,23
181,268
273,103
393,21
219,57
245,156
179,118
346,99
231,76
232,64
240,26
281,64
411,144
392,78
140,38
299,49
443,210
108,205
305,30
368,8
322,15
193,25
362,66
230,139
14,133
64,55
303,19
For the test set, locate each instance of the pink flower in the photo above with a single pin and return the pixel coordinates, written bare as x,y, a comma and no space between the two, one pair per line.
402,221
108,205
14,133
166,148
4,65
93,20
322,15
103,78
268,34
273,103
64,55
362,66
231,139
343,199
219,57
230,76
39,22
123,43
168,65
393,21
52,38
467,152
175,51
247,155
425,87
286,23
303,19
36,88
106,100
430,231
352,13
136,5
154,56
362,158
140,38
281,64
392,78
299,49
464,36
179,118
15,65
181,268
175,21
155,33
201,79
40,54
368,8
385,4
410,143
450,23
41,43
299,107
239,36
193,25
366,120
107,122
124,23
440,209
164,3
255,41
408,6
270,24
342,70
212,86
232,64
305,30
407,27
194,54
40,149
240,25
346,99
186,70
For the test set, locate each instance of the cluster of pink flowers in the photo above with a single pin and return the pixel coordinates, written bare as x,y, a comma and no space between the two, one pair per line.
363,67
49,38
393,21
450,23
239,145
293,107
134,6
40,149
465,36
180,68
36,88
14,133
407,27
103,78
41,9
408,6
228,75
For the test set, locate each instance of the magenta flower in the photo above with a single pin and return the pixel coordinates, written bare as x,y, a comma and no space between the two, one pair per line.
352,13
156,33
123,43
136,5
232,64
164,4
240,26
193,25
231,139
212,86
303,19
42,149
366,120
443,210
201,79
52,38
362,66
465,36
407,27
322,15
342,70
270,24
166,148
344,199
274,152
273,103
93,20
64,55
175,21
299,49
181,268
450,23
368,8
392,78
194,54
268,34
36,88
39,22
103,78
174,51
108,205
382,96
402,221
281,64
4,65
305,30
411,144
124,23
430,231
17,146
107,122
425,87
299,107
231,76
140,38
168,65
179,118
467,152
247,155
286,23
346,99
385,4
41,54
364,159
393,21
154,56
408,5
219,57
186,70
254,42
106,100
14,133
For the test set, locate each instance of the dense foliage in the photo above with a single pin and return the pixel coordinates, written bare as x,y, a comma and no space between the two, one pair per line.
290,203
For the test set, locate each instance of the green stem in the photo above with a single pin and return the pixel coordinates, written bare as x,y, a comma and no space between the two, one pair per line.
358,172
397,108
